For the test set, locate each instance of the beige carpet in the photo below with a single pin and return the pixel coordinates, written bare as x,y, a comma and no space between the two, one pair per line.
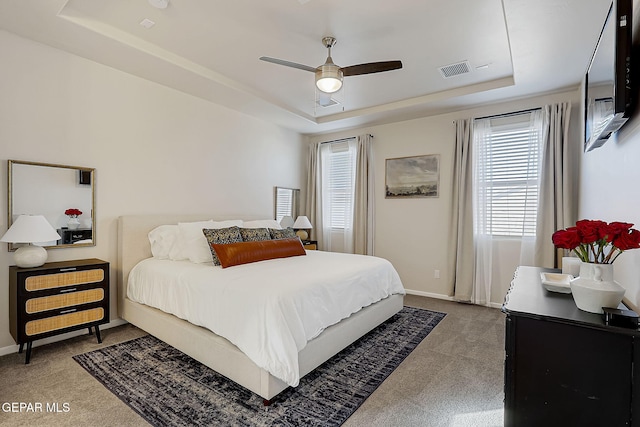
453,378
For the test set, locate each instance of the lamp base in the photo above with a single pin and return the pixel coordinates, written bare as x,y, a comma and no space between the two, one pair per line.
30,256
302,234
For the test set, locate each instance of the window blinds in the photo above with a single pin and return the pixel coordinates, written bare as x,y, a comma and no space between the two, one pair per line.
338,184
507,173
284,203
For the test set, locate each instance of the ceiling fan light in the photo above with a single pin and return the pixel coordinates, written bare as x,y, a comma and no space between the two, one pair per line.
329,78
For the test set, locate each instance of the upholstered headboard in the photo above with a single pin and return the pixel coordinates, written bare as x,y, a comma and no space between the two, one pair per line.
133,241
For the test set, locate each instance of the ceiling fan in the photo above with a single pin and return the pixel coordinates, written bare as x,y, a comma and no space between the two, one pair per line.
329,75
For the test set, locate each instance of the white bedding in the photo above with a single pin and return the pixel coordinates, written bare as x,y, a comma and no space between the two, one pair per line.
268,309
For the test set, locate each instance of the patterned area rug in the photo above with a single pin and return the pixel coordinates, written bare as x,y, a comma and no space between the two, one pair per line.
167,387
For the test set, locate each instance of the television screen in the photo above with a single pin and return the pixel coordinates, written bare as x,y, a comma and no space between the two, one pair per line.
607,89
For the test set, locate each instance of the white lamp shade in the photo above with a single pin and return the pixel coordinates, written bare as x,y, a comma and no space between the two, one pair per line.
302,222
286,221
30,229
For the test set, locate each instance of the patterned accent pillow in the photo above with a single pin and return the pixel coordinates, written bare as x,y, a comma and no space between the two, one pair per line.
285,233
221,236
254,234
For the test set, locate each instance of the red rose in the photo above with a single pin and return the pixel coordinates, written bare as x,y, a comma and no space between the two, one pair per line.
628,240
566,239
617,228
591,231
73,212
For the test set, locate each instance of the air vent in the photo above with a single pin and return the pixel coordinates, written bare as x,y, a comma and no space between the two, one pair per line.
327,102
455,69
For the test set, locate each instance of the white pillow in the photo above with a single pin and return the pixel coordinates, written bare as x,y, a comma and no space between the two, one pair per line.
262,223
192,244
162,239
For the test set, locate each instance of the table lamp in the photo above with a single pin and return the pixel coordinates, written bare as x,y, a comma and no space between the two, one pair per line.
286,221
301,226
30,229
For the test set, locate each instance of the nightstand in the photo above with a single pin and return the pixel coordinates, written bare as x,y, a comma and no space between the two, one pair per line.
70,236
57,297
310,245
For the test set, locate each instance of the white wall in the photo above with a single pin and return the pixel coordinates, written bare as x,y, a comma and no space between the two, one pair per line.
610,191
609,182
155,150
414,233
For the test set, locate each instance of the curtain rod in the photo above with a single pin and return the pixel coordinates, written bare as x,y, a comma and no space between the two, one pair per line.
515,113
341,140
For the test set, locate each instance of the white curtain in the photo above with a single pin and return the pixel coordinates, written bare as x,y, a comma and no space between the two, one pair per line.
336,194
534,169
506,193
363,211
482,237
557,203
340,194
313,205
461,259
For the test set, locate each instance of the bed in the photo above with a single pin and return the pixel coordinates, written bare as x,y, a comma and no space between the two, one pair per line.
213,350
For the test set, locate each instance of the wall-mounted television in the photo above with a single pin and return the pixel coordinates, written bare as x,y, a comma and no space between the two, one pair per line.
607,84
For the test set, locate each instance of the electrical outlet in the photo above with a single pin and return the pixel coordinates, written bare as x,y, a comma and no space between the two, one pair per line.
436,274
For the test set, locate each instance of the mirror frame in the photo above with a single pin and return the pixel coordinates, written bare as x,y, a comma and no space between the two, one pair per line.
295,205
12,246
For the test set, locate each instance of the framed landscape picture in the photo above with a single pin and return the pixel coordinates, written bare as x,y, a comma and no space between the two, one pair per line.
417,176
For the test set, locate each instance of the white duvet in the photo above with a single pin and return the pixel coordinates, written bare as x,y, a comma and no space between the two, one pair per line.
268,309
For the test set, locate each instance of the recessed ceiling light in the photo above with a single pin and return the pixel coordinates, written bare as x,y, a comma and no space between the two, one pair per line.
147,23
160,4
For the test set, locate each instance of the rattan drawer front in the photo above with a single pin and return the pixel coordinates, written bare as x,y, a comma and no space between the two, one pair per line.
57,280
36,305
41,326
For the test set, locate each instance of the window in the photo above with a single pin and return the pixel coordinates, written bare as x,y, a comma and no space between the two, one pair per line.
338,183
507,174
286,202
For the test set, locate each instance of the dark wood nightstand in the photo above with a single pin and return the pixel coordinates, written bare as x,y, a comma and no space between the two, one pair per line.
70,236
310,245
57,297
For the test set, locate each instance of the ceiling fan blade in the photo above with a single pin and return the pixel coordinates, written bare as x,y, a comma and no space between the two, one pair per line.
371,67
288,64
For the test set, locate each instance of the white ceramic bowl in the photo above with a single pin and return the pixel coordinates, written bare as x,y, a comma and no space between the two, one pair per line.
592,295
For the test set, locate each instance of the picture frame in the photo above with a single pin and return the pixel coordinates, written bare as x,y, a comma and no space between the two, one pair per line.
412,177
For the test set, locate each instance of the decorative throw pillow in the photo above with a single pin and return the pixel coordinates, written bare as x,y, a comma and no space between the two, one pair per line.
246,252
254,234
285,233
221,236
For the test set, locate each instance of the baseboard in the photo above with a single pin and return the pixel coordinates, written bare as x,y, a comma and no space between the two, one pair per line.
430,295
14,348
446,297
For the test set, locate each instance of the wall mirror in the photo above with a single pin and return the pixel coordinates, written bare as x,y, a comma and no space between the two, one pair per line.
287,202
51,190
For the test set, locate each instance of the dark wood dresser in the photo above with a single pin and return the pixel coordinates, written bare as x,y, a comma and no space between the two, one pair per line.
69,236
564,366
57,297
